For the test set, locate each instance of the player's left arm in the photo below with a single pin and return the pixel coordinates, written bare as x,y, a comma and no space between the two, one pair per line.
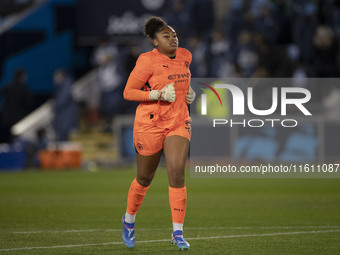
190,97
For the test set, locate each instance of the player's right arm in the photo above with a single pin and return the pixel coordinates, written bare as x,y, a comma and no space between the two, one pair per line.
137,79
133,92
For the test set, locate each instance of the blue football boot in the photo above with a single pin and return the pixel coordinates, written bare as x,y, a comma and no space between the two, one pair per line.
128,233
178,239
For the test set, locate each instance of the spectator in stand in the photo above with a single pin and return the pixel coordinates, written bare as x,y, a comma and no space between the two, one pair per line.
326,53
304,28
235,23
198,48
330,15
248,56
220,54
110,77
132,53
178,17
18,103
266,23
64,107
201,13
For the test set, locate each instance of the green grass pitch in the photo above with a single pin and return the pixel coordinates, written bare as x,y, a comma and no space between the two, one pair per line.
78,212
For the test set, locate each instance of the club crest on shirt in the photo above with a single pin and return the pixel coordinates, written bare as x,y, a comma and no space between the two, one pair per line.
186,63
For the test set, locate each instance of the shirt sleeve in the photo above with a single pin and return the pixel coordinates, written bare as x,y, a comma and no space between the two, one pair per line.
133,90
143,68
187,55
190,57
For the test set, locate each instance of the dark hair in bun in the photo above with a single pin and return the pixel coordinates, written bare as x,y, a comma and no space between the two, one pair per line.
152,26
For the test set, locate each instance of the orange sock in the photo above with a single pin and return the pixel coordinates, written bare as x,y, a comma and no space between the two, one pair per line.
135,197
178,203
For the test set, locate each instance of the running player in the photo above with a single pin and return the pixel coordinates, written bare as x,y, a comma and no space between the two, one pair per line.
162,124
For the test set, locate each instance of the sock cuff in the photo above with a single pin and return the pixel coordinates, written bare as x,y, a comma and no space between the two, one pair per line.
139,187
177,190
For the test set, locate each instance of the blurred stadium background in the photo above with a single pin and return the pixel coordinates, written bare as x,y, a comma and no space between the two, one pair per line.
73,57
63,67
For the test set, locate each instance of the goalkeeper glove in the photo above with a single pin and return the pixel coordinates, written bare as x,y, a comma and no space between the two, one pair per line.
190,97
165,94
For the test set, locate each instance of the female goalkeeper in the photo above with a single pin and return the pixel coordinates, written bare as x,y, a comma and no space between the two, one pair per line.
162,124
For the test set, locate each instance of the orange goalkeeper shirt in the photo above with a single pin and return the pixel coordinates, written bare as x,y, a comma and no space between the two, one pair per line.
153,71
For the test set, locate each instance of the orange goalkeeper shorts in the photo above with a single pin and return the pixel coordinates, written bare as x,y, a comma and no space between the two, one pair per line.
148,139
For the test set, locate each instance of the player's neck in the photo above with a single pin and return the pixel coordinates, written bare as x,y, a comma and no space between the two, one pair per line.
171,54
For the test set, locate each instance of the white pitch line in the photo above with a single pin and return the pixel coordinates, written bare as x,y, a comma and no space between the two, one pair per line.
267,234
167,240
153,229
64,231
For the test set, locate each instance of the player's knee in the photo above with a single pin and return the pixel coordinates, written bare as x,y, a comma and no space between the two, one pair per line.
176,181
176,176
144,180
